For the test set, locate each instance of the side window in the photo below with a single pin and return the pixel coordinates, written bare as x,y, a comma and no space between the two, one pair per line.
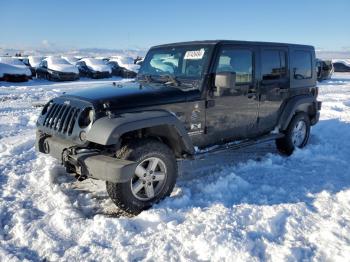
273,64
239,61
302,65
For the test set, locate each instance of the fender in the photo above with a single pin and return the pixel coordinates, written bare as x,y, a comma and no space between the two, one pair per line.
303,103
107,131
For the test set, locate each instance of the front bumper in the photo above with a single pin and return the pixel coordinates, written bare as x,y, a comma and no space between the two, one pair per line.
84,162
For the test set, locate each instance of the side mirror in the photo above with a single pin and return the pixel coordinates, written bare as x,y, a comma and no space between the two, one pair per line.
224,81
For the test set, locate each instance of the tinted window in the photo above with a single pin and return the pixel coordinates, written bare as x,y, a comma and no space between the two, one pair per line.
273,64
238,61
302,64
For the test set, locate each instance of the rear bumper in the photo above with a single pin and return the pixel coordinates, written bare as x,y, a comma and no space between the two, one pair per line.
84,162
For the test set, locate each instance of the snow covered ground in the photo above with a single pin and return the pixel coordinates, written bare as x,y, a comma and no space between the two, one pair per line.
246,205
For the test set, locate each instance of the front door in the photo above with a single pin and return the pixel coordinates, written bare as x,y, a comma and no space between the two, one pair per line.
233,114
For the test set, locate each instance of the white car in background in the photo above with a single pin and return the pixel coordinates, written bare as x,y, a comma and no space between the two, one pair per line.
57,69
34,62
13,70
94,68
127,62
71,59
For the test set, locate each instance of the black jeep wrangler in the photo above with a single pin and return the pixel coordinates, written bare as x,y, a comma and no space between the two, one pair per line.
186,98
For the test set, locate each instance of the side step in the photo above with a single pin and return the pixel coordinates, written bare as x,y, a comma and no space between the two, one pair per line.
235,145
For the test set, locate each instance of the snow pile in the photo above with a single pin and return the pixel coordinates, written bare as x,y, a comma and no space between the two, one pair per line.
61,65
97,65
13,66
246,205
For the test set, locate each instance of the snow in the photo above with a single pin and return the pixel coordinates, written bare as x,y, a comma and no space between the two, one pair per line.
245,205
35,61
61,65
97,65
126,62
343,61
13,66
71,59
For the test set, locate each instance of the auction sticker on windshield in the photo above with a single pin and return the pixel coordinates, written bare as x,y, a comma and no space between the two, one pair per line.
195,54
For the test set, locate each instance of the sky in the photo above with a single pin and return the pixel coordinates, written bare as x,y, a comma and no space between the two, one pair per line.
140,24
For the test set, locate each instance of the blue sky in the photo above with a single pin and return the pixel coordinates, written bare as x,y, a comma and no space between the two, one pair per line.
141,24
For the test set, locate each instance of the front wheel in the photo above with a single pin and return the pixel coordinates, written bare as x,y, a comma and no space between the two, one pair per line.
296,135
154,177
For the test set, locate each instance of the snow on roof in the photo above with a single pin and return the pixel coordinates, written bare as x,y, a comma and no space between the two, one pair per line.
97,64
11,61
35,60
62,65
93,61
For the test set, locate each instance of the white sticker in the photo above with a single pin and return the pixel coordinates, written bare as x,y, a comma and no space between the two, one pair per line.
196,54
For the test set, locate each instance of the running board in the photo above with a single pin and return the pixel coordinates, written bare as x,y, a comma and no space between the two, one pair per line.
236,145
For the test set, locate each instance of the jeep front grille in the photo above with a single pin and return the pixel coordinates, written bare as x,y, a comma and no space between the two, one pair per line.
61,118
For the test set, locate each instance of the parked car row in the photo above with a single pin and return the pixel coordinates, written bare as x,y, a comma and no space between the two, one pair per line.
66,68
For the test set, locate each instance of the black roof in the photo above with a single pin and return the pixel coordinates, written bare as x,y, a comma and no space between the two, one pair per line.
237,42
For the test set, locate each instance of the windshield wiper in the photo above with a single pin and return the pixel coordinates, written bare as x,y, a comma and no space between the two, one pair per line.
171,80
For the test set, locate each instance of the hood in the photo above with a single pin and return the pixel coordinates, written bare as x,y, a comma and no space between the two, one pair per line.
131,95
65,68
14,70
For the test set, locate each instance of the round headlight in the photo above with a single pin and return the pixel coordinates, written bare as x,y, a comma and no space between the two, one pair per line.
86,117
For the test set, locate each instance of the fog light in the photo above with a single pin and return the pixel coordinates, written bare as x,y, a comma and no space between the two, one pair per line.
82,135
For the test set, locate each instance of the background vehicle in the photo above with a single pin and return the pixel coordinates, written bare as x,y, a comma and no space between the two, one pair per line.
127,64
94,68
13,70
71,59
120,71
57,69
34,63
187,95
341,65
324,69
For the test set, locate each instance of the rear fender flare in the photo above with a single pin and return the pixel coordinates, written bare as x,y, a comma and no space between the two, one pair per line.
303,103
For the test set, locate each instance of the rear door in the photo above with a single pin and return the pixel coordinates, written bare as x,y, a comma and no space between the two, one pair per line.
274,85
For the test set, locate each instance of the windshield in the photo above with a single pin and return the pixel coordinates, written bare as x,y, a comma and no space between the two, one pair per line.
185,63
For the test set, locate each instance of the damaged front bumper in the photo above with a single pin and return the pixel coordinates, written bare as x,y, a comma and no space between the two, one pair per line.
85,162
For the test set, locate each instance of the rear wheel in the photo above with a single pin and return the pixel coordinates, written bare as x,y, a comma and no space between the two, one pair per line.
296,135
154,177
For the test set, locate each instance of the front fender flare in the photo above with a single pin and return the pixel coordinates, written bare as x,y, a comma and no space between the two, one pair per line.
107,131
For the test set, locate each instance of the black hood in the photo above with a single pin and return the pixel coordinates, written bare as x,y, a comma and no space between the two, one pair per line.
132,94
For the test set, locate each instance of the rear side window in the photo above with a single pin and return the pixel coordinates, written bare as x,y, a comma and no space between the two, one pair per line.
239,61
302,65
273,64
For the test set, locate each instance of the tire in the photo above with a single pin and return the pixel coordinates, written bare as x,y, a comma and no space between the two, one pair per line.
145,152
291,140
